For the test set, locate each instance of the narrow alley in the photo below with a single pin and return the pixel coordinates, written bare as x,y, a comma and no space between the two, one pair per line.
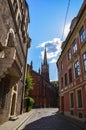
42,65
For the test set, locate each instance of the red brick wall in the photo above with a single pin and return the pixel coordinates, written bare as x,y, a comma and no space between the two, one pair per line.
42,92
66,101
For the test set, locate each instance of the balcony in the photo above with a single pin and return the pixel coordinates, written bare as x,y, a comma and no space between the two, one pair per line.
10,63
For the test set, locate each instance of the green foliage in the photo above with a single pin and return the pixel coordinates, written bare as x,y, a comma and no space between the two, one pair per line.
29,84
28,102
54,83
31,102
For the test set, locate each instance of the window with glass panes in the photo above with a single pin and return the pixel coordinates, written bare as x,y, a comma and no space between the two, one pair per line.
71,100
69,54
66,79
70,75
74,46
82,34
79,98
62,82
84,61
77,68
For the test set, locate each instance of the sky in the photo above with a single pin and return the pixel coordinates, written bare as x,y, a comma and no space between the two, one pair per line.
47,18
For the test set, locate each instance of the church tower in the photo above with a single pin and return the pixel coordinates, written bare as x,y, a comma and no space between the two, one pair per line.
45,67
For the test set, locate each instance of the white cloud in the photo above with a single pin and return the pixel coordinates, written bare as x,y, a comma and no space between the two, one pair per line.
55,40
53,61
67,29
53,48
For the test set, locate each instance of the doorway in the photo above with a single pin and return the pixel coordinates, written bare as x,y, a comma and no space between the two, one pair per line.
13,104
62,104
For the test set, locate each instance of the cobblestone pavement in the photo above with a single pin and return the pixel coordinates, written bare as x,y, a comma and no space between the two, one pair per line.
48,119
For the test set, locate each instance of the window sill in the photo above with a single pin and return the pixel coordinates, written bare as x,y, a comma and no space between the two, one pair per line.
74,56
80,108
71,84
77,77
71,108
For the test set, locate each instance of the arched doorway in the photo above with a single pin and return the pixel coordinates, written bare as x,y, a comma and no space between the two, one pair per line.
13,104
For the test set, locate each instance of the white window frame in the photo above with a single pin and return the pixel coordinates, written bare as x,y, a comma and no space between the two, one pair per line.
84,60
74,46
69,54
82,34
70,100
77,98
77,68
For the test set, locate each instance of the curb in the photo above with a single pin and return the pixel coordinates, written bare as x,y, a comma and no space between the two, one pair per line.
25,119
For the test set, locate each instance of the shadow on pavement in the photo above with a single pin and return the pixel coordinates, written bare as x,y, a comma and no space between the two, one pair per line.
44,123
53,122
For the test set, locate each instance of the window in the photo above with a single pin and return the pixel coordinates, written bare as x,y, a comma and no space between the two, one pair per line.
70,75
66,79
77,68
82,34
18,21
74,46
15,6
84,61
69,54
71,112
80,115
71,100
79,98
20,3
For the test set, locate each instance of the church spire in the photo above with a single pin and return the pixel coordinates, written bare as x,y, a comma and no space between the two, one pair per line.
45,67
45,56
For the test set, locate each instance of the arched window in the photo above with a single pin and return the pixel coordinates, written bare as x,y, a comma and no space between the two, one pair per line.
10,41
15,6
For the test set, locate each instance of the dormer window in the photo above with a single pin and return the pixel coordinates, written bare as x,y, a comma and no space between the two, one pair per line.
82,34
73,24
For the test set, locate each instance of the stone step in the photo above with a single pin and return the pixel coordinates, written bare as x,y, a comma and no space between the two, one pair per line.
13,118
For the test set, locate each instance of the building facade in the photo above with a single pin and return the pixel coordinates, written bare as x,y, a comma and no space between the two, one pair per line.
43,93
72,69
14,43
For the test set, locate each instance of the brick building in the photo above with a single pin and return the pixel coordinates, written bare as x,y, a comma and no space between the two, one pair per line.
72,68
43,92
14,43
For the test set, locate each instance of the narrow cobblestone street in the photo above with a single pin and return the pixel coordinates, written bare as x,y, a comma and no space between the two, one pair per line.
48,119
